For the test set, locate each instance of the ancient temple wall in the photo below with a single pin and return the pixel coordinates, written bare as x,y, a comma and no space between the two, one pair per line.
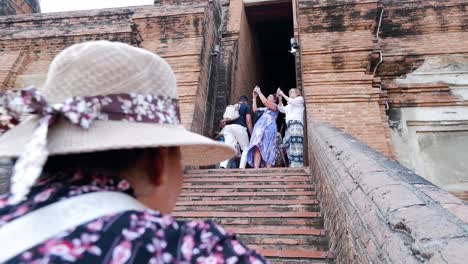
337,43
246,71
378,211
393,74
425,73
184,36
245,54
29,42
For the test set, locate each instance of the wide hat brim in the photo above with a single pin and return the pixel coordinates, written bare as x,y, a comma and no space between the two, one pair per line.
66,138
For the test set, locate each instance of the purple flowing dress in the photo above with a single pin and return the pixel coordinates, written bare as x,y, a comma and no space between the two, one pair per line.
264,138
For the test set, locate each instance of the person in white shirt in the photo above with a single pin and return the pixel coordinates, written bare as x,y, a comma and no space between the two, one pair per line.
235,132
294,138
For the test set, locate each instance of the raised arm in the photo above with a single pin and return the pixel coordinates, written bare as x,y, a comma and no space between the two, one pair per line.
299,100
280,104
272,106
254,101
284,95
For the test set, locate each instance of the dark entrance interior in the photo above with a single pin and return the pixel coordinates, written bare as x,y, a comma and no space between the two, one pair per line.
272,26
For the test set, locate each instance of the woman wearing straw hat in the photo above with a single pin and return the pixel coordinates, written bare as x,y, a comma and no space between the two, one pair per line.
105,130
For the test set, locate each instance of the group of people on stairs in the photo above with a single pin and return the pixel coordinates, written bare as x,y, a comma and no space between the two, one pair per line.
265,145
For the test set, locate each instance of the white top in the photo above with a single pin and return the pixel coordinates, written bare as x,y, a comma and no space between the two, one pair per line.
294,110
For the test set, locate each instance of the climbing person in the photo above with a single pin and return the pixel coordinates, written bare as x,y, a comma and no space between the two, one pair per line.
99,166
237,131
261,151
294,136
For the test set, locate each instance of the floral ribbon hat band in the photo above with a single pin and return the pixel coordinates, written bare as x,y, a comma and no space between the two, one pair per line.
81,112
128,113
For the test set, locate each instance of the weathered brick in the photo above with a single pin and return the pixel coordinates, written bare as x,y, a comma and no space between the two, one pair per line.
453,252
373,180
407,224
424,223
393,197
398,250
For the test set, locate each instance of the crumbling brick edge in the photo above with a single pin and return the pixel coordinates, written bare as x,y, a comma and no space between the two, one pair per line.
378,211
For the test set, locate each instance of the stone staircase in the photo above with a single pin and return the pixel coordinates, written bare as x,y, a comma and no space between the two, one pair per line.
274,211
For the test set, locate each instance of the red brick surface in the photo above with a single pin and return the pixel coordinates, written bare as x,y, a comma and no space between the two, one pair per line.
184,36
339,48
376,210
337,42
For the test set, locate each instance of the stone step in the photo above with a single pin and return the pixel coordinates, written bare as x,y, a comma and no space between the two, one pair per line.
275,215
271,180
275,230
281,244
266,185
249,171
274,211
248,190
298,261
250,208
265,222
278,253
260,175
268,222
286,242
248,194
249,202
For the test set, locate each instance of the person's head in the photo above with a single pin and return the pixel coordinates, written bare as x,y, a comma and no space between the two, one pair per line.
116,104
294,92
243,99
155,174
272,98
222,124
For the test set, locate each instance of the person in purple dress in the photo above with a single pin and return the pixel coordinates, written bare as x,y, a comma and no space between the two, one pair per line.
261,151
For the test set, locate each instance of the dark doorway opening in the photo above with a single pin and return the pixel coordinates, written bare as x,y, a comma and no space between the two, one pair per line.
273,28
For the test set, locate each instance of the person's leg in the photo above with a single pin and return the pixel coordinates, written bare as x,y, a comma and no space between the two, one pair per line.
257,158
243,160
296,148
230,140
242,138
287,143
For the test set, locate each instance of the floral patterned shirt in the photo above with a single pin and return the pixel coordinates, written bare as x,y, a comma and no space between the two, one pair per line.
129,237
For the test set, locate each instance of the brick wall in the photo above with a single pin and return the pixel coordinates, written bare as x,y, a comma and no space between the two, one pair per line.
411,32
377,211
183,35
246,71
238,67
337,43
340,41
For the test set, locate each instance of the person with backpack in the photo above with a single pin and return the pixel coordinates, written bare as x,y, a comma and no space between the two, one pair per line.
237,130
99,166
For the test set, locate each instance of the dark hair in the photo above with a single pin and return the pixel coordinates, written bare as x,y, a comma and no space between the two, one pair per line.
276,98
111,160
243,98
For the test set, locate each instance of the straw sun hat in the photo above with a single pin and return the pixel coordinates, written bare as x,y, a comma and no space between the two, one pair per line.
101,68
